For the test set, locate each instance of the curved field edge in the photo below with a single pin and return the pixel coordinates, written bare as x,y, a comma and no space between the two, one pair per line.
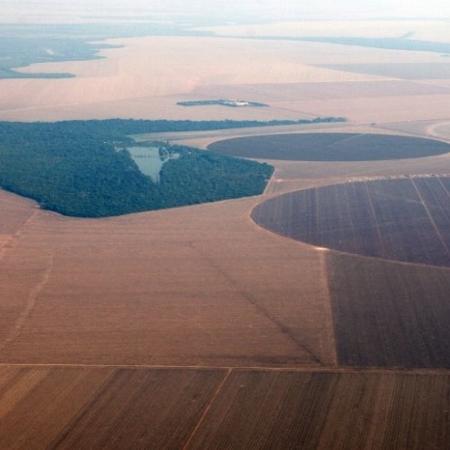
334,147
403,219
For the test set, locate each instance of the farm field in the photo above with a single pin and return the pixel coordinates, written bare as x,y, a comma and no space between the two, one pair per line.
288,305
122,408
289,92
198,327
117,408
429,30
398,219
134,297
388,314
326,410
15,212
110,292
87,293
440,130
407,71
128,84
330,147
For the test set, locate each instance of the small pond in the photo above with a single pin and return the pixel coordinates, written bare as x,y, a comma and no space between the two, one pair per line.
150,159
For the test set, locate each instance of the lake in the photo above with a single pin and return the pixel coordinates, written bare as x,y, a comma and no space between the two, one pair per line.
149,160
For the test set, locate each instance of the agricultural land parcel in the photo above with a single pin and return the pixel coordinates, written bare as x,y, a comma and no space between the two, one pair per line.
82,299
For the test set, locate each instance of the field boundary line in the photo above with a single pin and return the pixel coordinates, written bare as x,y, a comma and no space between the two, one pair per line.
342,252
270,182
329,306
443,186
207,408
375,219
29,307
15,236
299,369
82,411
283,329
425,134
346,139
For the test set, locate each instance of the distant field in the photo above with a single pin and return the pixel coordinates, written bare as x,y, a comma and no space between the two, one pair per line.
406,71
401,219
27,44
330,147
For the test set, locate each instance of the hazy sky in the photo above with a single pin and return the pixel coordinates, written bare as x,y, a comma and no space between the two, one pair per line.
320,9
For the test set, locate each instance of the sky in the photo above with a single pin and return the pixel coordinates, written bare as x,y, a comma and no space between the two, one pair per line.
273,9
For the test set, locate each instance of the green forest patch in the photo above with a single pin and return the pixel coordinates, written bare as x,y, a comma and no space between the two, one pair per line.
83,168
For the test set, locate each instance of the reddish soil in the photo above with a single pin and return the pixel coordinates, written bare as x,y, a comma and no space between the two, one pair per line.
129,408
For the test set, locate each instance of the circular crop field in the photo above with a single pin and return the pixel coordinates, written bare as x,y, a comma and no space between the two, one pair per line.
403,219
330,147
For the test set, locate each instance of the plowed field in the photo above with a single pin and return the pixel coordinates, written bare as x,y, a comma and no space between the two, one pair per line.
140,408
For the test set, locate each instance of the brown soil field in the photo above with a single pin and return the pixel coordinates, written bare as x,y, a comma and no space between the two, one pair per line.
330,147
95,408
120,408
205,287
15,211
195,327
327,410
399,219
171,287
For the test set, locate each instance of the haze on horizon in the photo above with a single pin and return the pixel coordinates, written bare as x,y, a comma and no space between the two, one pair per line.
245,10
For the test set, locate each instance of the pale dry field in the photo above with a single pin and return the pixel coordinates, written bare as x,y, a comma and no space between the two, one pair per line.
441,130
147,76
432,30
